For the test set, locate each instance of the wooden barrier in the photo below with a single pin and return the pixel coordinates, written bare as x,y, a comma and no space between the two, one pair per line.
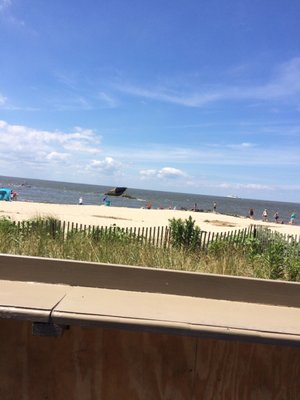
89,331
158,236
110,364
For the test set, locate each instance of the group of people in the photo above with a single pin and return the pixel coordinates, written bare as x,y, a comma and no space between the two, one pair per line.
265,216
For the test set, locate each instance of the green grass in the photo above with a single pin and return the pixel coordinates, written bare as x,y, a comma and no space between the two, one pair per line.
267,257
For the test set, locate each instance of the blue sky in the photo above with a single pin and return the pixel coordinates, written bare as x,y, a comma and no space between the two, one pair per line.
191,96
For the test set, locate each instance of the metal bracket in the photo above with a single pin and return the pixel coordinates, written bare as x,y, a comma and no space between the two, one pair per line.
48,329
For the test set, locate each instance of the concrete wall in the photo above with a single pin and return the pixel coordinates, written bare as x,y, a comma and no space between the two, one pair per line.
89,363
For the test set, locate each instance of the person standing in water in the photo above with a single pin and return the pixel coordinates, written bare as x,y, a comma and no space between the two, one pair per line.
293,217
265,215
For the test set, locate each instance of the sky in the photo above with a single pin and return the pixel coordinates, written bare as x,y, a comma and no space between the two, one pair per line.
197,96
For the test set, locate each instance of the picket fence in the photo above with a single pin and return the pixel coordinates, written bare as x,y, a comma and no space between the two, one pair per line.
159,236
267,238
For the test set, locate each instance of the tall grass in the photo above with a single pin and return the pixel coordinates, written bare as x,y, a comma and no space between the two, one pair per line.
251,256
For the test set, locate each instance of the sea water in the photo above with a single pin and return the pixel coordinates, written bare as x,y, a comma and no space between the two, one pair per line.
43,191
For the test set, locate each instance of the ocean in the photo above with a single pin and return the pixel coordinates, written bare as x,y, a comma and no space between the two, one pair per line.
43,191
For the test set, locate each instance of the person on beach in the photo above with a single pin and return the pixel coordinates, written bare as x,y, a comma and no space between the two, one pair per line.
276,217
80,201
265,215
13,195
215,207
292,219
251,213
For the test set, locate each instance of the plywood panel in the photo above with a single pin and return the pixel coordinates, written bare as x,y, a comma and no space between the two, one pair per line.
168,366
103,364
238,370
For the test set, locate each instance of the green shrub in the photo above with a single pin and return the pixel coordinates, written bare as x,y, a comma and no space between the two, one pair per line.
292,269
218,247
6,225
184,234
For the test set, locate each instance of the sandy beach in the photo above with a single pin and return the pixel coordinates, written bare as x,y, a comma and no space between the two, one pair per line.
132,217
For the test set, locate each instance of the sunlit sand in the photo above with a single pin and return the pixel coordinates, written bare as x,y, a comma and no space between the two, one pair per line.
131,217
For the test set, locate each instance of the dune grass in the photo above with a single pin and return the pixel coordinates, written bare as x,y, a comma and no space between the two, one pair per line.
251,257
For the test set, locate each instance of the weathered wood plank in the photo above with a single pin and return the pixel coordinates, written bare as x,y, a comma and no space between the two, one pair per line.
96,363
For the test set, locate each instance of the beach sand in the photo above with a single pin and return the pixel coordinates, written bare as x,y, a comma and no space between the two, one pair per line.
102,215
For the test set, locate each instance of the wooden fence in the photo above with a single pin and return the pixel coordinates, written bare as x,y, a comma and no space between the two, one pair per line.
266,238
158,236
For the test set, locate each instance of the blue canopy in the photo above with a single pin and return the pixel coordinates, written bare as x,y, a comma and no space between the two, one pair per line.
5,194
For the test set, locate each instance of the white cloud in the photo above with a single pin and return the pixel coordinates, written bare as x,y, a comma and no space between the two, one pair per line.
241,146
70,156
77,102
169,172
5,4
55,156
3,100
29,150
107,100
148,173
107,165
163,173
71,103
81,147
80,94
5,11
285,83
22,138
168,96
239,154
